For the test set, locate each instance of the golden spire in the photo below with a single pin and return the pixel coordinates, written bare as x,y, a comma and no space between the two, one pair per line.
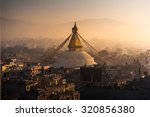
74,29
75,43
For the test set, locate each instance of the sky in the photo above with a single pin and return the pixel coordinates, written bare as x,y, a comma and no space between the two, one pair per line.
61,11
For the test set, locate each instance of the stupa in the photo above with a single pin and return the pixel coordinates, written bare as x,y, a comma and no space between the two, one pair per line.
75,56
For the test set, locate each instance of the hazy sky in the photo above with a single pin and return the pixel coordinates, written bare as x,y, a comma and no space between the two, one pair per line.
58,11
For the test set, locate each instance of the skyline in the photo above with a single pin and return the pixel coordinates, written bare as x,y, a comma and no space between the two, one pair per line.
55,12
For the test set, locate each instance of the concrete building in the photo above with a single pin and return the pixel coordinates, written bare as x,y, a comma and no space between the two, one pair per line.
59,89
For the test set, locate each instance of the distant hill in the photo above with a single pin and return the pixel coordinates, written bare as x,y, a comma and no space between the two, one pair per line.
100,29
16,29
92,28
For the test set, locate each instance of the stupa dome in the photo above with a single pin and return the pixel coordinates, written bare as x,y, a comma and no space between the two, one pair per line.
71,59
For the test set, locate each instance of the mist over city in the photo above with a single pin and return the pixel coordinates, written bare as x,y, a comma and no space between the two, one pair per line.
75,49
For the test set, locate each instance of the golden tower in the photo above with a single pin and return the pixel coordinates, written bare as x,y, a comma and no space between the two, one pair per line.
75,43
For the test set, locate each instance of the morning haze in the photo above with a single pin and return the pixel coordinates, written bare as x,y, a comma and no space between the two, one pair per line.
125,22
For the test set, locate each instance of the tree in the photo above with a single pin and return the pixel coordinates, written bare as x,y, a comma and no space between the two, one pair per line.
104,53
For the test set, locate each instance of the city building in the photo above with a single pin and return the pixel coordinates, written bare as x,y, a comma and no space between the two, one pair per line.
91,74
59,89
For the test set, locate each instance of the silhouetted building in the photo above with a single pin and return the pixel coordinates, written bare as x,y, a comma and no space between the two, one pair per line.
92,74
